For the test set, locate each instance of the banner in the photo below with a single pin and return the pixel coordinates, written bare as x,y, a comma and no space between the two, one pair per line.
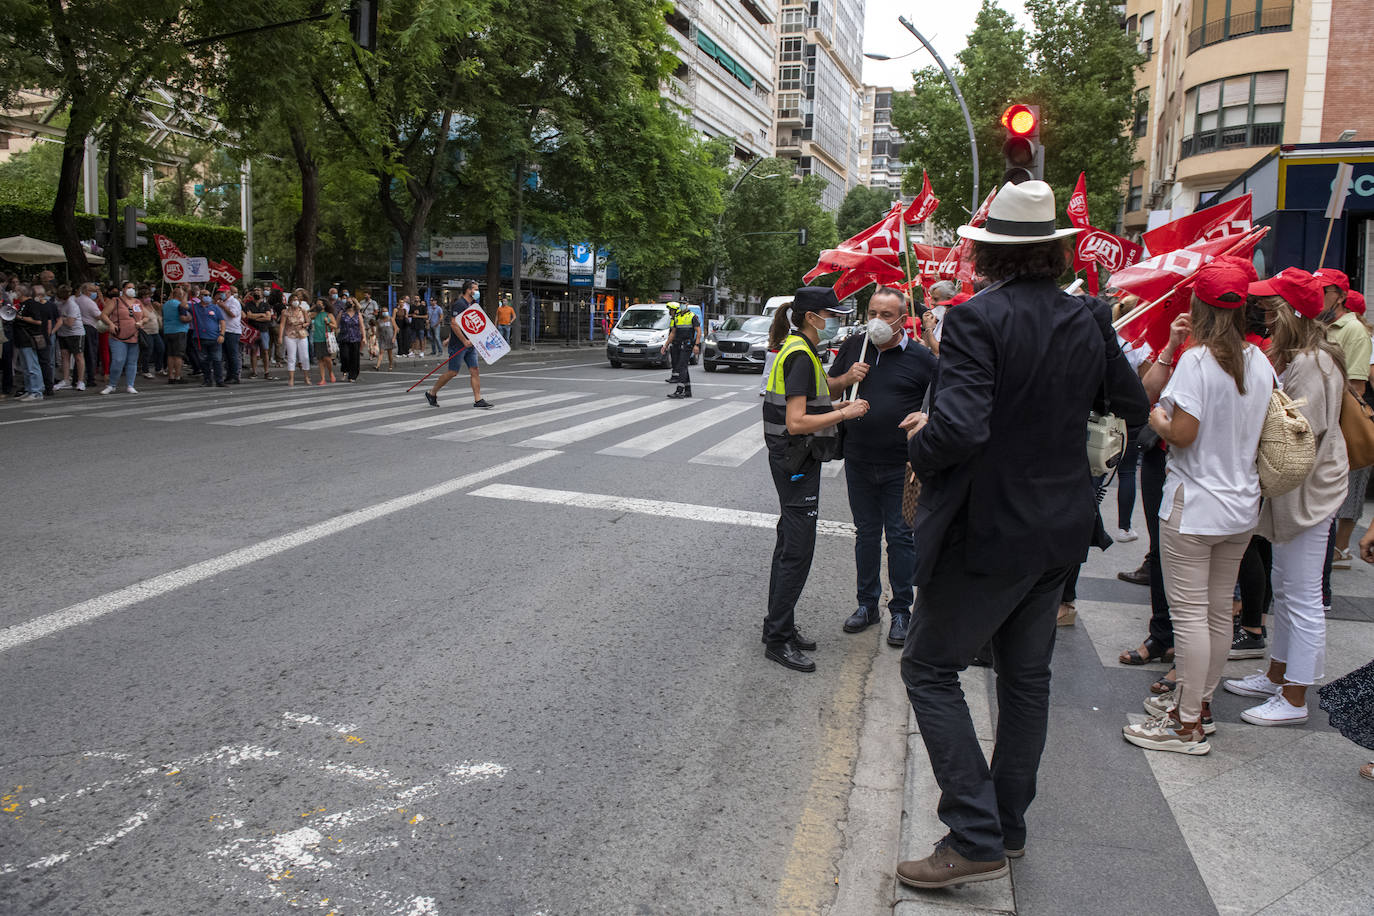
1111,251
1229,219
958,264
869,257
1078,203
166,248
924,206
182,269
485,337
224,272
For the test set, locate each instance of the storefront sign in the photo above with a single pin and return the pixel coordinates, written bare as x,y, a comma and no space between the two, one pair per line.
458,248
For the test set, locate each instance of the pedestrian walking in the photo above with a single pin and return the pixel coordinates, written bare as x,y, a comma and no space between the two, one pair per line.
1006,510
800,430
30,340
897,371
684,342
460,352
294,332
352,337
322,327
71,340
125,319
505,317
384,338
1210,413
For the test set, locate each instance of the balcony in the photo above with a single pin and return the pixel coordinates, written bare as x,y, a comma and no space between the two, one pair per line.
789,142
792,116
1237,137
1273,17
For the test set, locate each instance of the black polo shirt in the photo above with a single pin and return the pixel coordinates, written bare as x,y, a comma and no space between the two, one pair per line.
894,387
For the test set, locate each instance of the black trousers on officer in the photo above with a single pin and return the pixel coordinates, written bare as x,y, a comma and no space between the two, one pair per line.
681,354
799,501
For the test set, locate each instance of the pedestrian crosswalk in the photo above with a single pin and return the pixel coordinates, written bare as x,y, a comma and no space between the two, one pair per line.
721,432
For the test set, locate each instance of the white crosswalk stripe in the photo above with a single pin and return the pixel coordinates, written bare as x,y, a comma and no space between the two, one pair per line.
541,418
680,429
410,406
177,403
734,451
561,437
246,408
471,415
308,410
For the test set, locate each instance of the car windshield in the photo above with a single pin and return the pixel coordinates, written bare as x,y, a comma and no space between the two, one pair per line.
644,320
753,324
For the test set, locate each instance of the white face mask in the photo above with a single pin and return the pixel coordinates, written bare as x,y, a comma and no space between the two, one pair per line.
880,332
129,293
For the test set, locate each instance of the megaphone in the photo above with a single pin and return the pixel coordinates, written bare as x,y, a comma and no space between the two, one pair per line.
8,312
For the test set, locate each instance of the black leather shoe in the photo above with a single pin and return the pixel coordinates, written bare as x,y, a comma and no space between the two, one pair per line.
801,642
1139,576
862,619
672,380
896,634
789,656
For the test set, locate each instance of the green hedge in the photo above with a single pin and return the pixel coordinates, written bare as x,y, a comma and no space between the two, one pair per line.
197,240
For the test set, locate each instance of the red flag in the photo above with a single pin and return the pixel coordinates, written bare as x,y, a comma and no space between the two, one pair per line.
958,264
277,286
924,206
1095,247
222,272
1078,203
929,258
1229,219
166,248
869,257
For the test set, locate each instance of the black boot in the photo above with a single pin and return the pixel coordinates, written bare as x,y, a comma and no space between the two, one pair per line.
677,395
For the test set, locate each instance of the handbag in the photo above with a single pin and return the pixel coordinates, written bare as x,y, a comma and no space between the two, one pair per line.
1357,426
331,342
1287,448
911,495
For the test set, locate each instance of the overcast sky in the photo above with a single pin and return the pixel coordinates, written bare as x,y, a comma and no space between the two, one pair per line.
944,23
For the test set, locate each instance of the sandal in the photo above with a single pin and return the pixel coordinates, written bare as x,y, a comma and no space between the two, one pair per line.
1165,684
1367,771
1153,653
1067,615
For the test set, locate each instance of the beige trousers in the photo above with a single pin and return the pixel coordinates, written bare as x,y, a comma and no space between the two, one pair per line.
1199,578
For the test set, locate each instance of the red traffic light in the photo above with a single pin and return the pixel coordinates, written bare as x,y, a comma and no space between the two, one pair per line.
1020,120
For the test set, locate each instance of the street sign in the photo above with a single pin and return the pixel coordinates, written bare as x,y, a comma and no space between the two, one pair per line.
186,270
486,339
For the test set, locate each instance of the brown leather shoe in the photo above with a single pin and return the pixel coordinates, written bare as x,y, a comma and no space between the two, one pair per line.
946,868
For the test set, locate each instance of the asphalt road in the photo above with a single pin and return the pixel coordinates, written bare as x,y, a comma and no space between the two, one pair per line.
354,668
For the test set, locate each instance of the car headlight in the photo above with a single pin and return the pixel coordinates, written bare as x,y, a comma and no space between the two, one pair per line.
612,339
659,338
710,341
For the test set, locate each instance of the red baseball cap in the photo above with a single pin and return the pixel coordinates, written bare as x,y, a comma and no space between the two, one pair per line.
1218,279
1330,276
1244,264
1355,302
1295,286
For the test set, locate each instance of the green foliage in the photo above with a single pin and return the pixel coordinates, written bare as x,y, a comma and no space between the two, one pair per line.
1077,64
862,207
30,177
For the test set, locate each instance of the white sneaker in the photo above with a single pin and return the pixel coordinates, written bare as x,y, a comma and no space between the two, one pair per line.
80,386
61,385
1166,703
1161,733
1125,535
131,390
107,389
1275,711
1253,685
26,397
148,375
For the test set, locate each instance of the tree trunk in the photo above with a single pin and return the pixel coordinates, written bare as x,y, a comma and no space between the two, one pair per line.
64,204
410,252
308,223
493,267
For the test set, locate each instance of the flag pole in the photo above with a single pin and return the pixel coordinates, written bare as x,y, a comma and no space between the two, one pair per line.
436,368
1326,241
1257,233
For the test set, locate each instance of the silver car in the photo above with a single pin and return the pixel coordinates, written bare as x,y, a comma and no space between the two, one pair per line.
740,342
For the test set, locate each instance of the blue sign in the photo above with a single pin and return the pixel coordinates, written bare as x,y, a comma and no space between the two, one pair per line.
1308,186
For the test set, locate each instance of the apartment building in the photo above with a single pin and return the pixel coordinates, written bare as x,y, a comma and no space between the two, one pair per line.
880,146
726,66
818,112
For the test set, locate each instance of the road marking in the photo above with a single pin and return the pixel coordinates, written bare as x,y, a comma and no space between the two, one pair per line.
661,438
631,381
118,600
688,511
535,419
734,451
446,419
243,408
51,416
176,403
581,431
307,411
409,407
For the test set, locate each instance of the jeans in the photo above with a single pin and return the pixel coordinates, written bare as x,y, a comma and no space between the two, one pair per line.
1125,482
45,363
875,503
233,361
211,362
434,348
505,331
153,356
956,613
123,361
26,361
1152,469
1299,638
799,499
92,344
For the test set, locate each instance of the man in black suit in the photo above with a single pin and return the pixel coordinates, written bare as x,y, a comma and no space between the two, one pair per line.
1006,509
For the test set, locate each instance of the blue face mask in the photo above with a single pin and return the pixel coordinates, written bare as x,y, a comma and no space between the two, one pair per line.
476,296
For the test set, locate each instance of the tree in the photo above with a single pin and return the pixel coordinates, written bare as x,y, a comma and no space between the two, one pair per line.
862,207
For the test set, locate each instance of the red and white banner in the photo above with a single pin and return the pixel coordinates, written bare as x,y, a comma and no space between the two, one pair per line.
224,272
166,248
869,257
1111,251
958,263
924,206
485,337
180,269
1078,203
1228,219
928,259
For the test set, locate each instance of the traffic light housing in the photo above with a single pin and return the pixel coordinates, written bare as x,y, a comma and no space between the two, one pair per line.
362,23
135,230
1022,155
801,237
100,233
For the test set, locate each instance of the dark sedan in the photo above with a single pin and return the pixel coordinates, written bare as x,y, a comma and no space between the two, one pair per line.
741,341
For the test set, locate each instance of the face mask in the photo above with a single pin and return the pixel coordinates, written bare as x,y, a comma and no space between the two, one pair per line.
880,332
129,293
476,296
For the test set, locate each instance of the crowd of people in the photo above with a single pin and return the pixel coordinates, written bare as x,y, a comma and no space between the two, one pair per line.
964,445
88,337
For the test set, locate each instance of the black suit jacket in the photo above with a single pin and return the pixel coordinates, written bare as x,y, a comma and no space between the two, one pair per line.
1003,459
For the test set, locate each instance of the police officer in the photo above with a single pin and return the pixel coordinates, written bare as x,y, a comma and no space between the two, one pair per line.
799,427
684,338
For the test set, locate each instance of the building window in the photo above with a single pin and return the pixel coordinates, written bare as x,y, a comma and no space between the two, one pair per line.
791,50
1235,112
1135,200
1142,113
883,100
789,106
1146,39
1207,198
790,78
792,20
1221,20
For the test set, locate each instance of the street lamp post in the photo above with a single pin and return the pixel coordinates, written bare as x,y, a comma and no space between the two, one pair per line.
958,97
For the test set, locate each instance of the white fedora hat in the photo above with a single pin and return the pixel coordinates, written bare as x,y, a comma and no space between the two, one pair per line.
1020,214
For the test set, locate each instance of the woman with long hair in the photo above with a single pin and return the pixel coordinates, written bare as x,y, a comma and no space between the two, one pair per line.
800,430
320,327
352,336
1297,523
294,332
124,315
384,338
1210,413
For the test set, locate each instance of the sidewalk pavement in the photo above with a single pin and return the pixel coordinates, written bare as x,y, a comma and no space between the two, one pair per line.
1274,821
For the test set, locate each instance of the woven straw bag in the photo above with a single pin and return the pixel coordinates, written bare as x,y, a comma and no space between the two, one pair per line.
1287,448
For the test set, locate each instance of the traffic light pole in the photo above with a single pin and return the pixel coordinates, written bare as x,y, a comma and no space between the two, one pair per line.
958,96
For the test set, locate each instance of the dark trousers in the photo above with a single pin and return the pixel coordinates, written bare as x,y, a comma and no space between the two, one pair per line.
1152,462
1326,564
403,340
7,367
956,613
1256,595
211,362
45,358
799,501
350,352
681,354
1125,482
91,344
875,503
233,362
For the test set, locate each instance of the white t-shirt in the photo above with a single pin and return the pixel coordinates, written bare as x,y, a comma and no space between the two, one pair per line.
90,312
1221,493
939,312
233,315
69,309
